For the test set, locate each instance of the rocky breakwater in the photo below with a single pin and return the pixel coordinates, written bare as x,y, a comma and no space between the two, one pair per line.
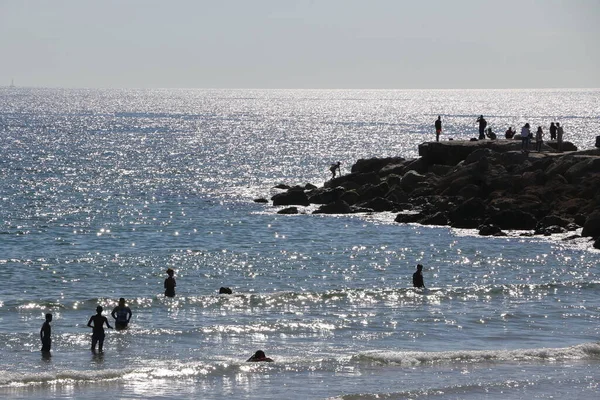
490,186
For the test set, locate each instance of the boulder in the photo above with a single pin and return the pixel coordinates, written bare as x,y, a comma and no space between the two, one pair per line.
597,241
291,197
592,225
395,169
550,230
379,204
490,230
410,180
288,210
338,207
282,186
375,164
465,214
325,195
512,219
549,221
369,191
351,197
406,218
261,200
439,218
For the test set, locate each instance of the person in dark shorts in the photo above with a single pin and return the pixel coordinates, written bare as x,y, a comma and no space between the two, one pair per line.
553,131
418,277
259,356
98,321
121,314
438,128
170,283
45,334
335,167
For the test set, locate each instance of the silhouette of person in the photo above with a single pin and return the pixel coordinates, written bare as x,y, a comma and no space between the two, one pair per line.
525,137
225,290
98,321
482,126
552,131
121,314
259,356
438,128
335,167
418,277
45,334
539,139
509,133
559,139
170,283
490,134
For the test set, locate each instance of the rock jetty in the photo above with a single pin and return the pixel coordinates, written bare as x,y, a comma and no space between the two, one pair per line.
486,185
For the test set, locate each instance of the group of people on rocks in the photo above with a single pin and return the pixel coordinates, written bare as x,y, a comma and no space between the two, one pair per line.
556,133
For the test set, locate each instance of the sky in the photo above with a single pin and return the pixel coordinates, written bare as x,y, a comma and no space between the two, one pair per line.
313,44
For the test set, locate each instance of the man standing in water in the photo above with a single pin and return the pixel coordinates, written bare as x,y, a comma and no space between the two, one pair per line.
418,277
98,329
438,128
45,334
121,314
170,283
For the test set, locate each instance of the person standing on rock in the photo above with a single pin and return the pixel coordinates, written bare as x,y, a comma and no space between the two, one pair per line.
552,131
418,277
438,128
482,126
539,139
525,137
335,167
559,136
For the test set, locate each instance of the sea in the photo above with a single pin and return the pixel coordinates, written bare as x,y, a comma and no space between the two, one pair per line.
102,190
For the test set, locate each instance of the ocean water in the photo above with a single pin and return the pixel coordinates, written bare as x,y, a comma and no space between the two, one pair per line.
102,190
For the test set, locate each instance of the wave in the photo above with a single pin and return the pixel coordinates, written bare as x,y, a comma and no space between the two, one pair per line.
231,367
585,351
279,299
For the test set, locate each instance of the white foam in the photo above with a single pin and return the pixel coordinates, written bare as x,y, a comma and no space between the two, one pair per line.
579,352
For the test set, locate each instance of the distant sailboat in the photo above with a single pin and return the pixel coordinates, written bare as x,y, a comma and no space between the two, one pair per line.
12,83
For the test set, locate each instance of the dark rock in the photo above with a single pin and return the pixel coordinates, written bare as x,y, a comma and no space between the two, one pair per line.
261,200
353,180
512,219
309,186
572,227
550,230
469,191
282,186
467,213
339,207
419,165
410,180
571,237
393,180
351,197
477,155
440,170
490,230
439,218
592,225
288,210
291,197
374,164
225,290
397,195
404,206
368,191
597,241
580,219
392,169
379,204
549,221
406,218
325,195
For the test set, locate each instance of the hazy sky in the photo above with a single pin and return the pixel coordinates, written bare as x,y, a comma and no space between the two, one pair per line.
301,43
